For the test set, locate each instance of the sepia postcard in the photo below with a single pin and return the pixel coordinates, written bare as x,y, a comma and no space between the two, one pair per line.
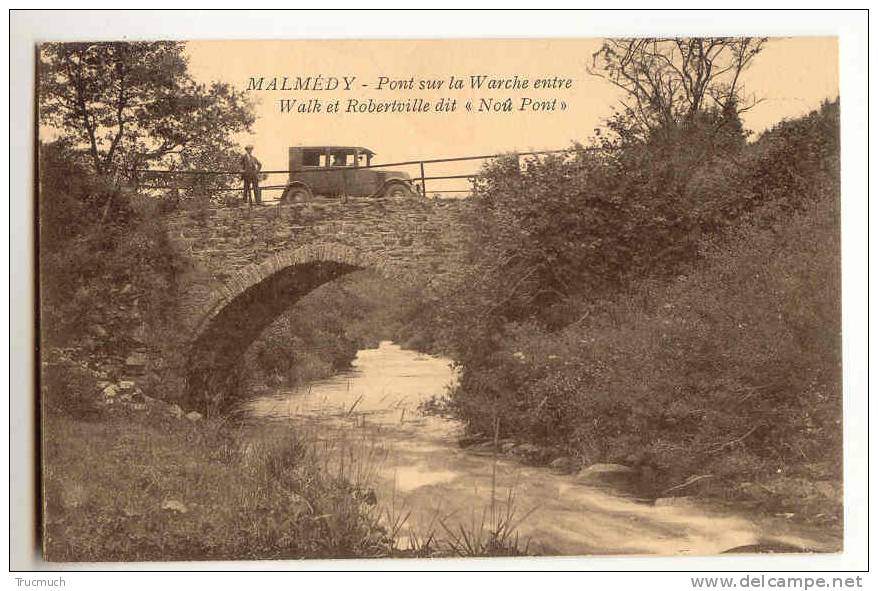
439,298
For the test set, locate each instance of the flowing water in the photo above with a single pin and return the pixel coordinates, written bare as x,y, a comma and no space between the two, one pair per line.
426,483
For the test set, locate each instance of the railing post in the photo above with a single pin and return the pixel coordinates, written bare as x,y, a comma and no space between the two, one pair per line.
423,182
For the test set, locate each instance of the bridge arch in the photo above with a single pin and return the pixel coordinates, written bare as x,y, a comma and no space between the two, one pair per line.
237,312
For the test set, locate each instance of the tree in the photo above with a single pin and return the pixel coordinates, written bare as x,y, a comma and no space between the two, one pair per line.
669,82
133,104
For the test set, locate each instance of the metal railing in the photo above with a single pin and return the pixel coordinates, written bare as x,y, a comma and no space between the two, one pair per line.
422,178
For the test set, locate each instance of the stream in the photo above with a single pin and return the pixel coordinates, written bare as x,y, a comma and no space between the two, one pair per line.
426,483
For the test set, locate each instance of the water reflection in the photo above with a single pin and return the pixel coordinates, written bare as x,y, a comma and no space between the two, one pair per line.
386,385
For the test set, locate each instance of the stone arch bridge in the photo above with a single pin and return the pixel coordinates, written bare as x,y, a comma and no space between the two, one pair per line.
252,264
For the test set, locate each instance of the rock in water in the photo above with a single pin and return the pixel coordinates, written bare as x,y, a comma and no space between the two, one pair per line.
563,465
507,446
675,502
613,475
529,452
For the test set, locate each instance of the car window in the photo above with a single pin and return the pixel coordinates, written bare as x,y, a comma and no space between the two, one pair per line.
311,158
339,159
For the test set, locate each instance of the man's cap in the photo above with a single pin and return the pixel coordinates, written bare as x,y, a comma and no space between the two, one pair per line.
248,147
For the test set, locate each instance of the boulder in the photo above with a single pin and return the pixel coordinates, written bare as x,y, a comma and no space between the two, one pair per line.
687,502
484,446
563,465
507,446
612,475
193,416
110,391
529,452
136,362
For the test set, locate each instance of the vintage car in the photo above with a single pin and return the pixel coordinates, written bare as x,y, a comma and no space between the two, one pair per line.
341,171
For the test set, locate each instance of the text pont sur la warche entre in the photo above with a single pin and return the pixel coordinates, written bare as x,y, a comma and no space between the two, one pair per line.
484,94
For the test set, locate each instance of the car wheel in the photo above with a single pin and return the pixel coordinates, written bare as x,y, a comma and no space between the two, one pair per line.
296,194
397,191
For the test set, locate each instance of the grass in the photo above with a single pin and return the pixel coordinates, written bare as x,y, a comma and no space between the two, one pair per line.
140,487
122,485
494,534
489,532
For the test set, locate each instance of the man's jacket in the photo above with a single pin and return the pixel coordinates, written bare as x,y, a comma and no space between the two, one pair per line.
250,166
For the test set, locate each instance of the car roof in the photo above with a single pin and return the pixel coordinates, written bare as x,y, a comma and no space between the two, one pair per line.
336,148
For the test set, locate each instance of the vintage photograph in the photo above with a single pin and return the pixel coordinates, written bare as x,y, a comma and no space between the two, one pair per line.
304,299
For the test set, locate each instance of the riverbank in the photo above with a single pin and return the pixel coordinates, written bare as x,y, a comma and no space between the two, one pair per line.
348,468
142,485
778,504
431,485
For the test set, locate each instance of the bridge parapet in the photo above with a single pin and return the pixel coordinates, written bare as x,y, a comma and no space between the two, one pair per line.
414,234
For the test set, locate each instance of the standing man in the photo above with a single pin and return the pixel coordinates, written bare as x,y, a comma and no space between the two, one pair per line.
250,168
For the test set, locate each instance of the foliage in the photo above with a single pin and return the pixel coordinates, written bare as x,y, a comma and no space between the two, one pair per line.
107,269
670,82
134,105
697,331
595,219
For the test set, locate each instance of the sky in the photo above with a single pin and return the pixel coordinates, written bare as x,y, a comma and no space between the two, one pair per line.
791,75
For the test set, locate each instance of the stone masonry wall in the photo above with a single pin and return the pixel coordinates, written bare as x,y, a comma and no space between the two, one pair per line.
230,247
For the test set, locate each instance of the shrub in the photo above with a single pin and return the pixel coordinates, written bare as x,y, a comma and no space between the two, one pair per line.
108,272
721,358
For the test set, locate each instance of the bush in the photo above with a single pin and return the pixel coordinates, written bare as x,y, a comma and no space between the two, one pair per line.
700,334
733,370
108,271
